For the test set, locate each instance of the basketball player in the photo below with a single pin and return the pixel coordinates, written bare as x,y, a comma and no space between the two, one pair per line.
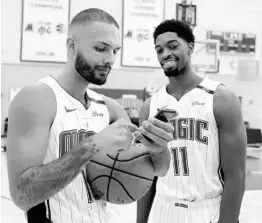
206,179
53,125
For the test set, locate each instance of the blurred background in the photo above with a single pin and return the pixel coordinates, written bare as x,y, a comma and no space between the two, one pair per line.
228,49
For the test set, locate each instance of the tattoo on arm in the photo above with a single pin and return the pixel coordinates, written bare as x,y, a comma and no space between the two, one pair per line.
37,184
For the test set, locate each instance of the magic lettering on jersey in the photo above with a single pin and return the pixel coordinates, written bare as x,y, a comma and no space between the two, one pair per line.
68,140
190,129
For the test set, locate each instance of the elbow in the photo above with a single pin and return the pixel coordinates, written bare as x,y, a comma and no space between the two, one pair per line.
159,174
161,170
16,200
19,199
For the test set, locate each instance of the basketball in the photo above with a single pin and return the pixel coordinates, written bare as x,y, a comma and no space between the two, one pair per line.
120,178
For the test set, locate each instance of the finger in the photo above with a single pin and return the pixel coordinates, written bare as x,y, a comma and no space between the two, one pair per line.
136,137
153,146
156,131
141,139
150,135
163,125
121,150
161,137
131,127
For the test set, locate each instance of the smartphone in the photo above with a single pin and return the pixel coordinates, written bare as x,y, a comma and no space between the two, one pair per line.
164,115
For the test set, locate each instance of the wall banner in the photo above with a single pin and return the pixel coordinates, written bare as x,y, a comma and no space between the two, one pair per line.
140,17
44,30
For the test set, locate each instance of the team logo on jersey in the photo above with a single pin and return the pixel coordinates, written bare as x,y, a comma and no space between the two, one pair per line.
67,141
190,129
194,103
95,114
69,109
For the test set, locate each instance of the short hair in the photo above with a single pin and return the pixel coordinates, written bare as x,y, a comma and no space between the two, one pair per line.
93,15
182,29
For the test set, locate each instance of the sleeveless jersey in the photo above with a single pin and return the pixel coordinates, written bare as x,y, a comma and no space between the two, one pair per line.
73,123
195,171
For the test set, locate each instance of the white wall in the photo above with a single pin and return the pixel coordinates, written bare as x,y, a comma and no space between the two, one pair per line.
220,15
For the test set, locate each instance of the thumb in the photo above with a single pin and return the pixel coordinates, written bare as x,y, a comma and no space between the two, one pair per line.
140,138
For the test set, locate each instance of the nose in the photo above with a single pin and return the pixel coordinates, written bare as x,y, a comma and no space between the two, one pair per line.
166,53
110,58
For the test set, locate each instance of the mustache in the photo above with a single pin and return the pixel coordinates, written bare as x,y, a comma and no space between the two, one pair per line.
104,67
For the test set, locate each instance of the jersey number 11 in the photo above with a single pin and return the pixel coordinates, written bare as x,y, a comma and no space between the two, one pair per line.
176,152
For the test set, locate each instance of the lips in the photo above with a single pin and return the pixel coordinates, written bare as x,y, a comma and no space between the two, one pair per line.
169,63
104,70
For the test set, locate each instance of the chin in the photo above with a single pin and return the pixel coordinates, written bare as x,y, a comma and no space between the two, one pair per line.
173,72
99,81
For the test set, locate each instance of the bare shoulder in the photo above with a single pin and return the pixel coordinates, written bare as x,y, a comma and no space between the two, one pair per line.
111,102
227,105
36,99
144,111
116,110
31,114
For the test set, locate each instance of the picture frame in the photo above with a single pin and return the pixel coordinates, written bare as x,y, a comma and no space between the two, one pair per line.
187,13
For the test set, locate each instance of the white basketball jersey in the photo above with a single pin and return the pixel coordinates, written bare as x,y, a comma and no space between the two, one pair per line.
195,171
72,124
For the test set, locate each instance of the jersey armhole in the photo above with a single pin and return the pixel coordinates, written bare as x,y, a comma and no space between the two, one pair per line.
54,95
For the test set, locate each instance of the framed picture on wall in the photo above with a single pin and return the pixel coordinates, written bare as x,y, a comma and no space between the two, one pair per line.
139,21
186,13
44,30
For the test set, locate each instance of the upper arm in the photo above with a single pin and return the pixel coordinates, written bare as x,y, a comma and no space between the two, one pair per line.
30,116
232,133
116,111
144,111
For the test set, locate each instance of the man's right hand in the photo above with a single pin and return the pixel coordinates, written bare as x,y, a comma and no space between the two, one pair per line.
115,137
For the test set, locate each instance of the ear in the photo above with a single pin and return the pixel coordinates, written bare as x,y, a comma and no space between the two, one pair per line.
190,48
71,45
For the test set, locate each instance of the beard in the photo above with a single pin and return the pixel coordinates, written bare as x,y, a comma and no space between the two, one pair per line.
172,73
88,72
175,73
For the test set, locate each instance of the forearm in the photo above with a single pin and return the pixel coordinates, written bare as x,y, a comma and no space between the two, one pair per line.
145,203
37,184
161,161
231,200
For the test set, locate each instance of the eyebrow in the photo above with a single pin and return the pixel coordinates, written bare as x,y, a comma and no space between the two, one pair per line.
104,43
170,41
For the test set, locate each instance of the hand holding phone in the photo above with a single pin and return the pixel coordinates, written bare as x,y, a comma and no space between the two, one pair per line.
164,115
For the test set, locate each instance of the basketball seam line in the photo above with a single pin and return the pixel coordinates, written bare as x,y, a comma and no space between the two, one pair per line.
126,159
108,185
122,171
118,182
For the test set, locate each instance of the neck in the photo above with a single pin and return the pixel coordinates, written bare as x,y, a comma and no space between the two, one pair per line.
72,82
183,83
